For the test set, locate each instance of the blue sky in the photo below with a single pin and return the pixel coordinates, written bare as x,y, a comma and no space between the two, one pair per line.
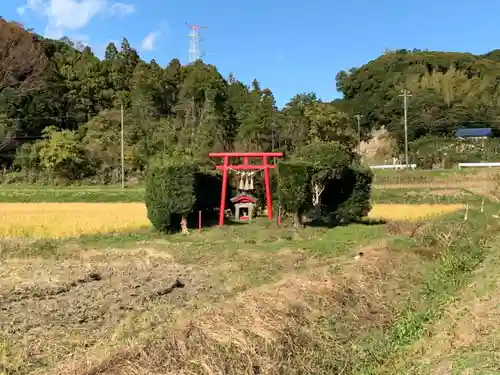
289,46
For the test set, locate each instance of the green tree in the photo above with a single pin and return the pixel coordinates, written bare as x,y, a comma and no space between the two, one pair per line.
201,102
170,192
449,90
294,188
295,125
111,51
258,128
102,143
328,162
60,153
27,158
327,124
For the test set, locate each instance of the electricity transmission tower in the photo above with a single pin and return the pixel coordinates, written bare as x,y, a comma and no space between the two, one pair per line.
405,94
194,42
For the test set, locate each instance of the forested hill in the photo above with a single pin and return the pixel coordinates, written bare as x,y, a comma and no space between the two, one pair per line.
448,89
60,105
46,82
71,99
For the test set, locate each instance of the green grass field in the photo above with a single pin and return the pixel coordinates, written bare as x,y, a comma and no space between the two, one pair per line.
243,299
10,194
436,177
383,179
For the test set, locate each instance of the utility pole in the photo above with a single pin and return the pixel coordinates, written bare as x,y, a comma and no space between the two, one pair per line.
122,156
359,132
406,94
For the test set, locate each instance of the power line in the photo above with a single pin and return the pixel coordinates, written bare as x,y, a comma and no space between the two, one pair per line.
73,117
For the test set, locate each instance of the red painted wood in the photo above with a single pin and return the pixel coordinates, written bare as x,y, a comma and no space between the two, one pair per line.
244,154
244,200
199,221
240,167
224,190
245,166
267,183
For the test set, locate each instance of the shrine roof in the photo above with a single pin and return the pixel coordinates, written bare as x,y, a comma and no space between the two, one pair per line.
243,198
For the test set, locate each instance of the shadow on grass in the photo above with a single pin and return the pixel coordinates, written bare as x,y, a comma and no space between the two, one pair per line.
324,224
209,220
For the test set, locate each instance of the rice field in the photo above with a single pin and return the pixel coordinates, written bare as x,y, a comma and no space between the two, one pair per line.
411,212
66,220
63,220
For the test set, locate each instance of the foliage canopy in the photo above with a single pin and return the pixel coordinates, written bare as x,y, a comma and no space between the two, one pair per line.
190,110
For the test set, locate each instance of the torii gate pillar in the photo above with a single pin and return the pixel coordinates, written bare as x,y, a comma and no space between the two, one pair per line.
245,166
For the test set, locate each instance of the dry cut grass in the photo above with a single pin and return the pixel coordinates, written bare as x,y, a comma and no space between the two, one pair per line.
409,212
309,322
63,220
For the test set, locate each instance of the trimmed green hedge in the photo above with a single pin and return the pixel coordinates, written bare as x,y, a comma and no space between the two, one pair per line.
294,186
347,198
325,181
170,193
176,190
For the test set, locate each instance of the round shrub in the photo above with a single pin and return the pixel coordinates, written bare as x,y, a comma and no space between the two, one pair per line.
170,193
347,198
294,182
340,187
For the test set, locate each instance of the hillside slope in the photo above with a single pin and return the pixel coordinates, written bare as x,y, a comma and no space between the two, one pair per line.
193,109
448,90
466,339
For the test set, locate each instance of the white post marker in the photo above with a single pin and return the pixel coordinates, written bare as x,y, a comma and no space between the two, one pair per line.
466,211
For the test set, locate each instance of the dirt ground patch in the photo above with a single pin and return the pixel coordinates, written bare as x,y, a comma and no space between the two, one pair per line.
51,308
263,311
320,312
407,228
444,192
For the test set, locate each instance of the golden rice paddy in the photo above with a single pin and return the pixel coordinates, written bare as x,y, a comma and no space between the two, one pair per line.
411,212
63,220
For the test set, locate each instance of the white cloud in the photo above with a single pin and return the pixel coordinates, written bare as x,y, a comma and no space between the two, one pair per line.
71,15
34,5
149,42
122,9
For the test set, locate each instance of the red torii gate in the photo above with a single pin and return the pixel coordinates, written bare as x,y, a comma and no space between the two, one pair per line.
245,166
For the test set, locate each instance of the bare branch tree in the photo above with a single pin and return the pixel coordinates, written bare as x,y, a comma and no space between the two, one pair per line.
24,62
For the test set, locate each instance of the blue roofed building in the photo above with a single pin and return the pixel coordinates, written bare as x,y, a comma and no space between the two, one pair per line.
474,133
